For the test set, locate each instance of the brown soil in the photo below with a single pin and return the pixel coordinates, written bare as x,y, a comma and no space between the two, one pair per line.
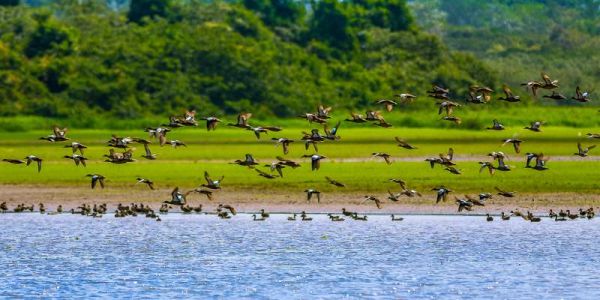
251,201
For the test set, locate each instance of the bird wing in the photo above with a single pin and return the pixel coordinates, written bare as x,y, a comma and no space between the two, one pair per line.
579,147
578,92
39,165
450,153
94,180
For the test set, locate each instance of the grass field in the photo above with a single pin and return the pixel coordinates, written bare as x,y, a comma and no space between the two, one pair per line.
212,151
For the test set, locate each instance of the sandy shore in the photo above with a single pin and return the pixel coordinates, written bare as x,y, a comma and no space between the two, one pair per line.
251,201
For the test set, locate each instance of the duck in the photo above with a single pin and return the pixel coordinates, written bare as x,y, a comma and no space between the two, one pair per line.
197,209
248,161
402,143
242,121
96,178
572,216
177,198
58,135
446,159
254,218
224,215
547,82
232,209
356,217
164,208
516,143
488,165
400,182
372,115
145,181
78,159
505,193
583,152
410,193
434,160
211,123
335,218
176,143
356,118
552,214
265,214
385,156
257,131
393,197
332,134
76,146
489,218
535,126
405,97
504,217
310,193
593,135
310,117
285,143
32,158
448,106
496,125
265,174
509,96
540,163
442,193
533,86
555,96
276,166
463,204
292,218
42,208
452,170
581,96
454,119
388,104
374,199
346,213
306,218
558,218
397,219
382,123
3,207
287,162
59,209
212,184
323,111
148,154
334,182
315,160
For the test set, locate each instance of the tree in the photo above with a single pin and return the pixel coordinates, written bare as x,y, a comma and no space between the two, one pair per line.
9,2
332,23
139,9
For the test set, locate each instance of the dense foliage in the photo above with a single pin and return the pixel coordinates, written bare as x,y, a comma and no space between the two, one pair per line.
273,57
520,38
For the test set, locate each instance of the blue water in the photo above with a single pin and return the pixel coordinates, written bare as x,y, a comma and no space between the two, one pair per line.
199,256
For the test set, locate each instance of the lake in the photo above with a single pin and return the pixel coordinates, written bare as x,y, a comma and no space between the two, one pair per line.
201,256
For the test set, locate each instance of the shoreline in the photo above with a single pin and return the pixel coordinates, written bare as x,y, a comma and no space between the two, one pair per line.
279,202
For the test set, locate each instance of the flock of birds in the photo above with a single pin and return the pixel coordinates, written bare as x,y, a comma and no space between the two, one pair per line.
477,95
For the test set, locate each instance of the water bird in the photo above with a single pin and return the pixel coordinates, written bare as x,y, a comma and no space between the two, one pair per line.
265,174
334,182
448,106
516,143
410,193
248,161
287,162
232,209
276,166
356,217
177,198
13,161
335,218
77,159
400,182
212,184
32,158
385,156
452,170
310,193
254,218
496,125
242,121
394,218
393,197
312,118
555,96
356,118
265,214
374,199
593,135
402,143
58,135
323,111
315,160
535,126
292,218
285,143
332,134
442,193
509,96
583,152
489,218
388,104
406,97
454,119
548,83
464,204
96,178
505,193
148,155
75,146
211,123
504,217
176,143
581,96
145,181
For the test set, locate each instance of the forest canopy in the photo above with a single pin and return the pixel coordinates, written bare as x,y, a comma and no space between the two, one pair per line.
275,57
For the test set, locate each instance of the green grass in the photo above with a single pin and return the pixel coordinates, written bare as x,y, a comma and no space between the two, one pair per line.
212,151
